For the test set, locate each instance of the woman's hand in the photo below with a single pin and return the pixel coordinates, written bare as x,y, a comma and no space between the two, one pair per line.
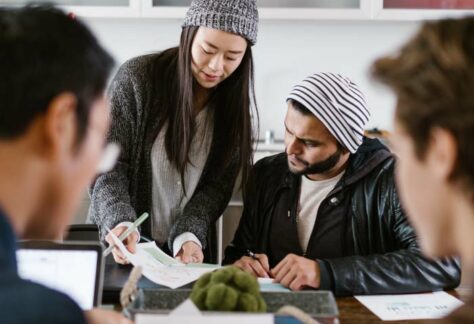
190,253
102,316
130,243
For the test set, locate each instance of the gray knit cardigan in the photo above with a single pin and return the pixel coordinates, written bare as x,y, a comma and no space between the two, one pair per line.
125,192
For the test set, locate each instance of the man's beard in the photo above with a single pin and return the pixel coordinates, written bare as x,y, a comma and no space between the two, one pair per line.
320,167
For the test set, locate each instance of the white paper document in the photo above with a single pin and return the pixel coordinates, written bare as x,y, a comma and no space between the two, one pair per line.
186,308
160,267
234,318
267,284
411,306
187,313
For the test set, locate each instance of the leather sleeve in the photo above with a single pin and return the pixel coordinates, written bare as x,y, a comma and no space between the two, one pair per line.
246,236
402,270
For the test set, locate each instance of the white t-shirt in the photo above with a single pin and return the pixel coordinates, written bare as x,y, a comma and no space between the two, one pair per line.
311,195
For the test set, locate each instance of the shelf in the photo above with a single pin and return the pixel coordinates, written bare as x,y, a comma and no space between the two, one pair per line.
417,10
277,146
104,12
170,12
90,8
314,14
327,10
268,9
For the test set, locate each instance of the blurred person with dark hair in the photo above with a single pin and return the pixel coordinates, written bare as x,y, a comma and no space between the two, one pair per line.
53,122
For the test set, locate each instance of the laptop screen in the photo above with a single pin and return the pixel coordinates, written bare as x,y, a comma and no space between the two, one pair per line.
73,269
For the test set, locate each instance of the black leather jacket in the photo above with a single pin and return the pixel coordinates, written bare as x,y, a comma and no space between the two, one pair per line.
379,254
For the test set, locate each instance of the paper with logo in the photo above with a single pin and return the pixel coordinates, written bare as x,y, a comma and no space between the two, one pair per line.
160,267
411,306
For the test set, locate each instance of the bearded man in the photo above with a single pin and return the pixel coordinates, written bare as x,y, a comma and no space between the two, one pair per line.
325,214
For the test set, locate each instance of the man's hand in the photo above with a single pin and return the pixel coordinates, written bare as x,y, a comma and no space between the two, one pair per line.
257,266
296,272
102,316
190,253
130,243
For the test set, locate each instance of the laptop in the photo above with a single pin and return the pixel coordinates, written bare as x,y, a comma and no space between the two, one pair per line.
73,268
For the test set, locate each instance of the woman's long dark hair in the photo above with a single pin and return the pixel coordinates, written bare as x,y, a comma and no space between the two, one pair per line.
233,102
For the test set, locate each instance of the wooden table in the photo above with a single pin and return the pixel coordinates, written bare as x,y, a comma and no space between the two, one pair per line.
350,309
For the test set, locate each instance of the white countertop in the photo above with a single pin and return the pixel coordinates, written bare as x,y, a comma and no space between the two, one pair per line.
276,146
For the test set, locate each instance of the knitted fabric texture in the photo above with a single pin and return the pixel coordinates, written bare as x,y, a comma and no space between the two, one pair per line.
338,103
234,16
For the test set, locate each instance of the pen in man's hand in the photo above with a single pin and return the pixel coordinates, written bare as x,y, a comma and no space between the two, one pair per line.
254,257
127,232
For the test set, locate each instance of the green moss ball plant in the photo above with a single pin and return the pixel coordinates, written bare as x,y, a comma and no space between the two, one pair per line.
228,289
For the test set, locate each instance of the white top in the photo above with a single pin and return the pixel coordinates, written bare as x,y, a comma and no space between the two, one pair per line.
168,198
311,195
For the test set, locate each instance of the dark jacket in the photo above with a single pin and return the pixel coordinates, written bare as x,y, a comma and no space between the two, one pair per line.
23,301
126,191
375,250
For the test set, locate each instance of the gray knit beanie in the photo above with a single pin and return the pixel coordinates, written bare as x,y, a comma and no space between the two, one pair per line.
235,16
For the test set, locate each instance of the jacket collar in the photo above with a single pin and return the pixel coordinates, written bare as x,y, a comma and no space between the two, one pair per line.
370,154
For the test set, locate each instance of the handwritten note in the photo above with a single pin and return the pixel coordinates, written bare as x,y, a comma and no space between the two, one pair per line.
160,267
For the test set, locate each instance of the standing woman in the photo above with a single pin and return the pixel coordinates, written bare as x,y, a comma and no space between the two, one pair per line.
183,118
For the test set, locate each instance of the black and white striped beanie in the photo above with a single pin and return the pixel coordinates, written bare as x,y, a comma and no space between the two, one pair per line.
338,103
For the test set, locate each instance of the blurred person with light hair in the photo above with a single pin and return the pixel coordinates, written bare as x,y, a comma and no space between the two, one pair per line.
432,77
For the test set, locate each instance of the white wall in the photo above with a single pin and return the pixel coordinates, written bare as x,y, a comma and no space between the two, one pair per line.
286,52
